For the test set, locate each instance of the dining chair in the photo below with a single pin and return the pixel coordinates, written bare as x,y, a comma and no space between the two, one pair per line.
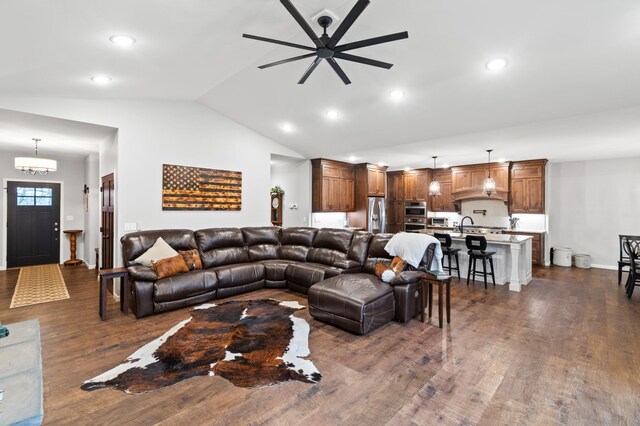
623,260
632,248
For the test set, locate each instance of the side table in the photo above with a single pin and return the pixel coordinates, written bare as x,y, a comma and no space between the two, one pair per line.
106,275
425,290
72,243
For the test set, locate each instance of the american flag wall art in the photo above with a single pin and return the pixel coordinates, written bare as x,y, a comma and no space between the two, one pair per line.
194,188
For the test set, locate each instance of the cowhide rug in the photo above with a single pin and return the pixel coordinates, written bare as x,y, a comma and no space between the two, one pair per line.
250,343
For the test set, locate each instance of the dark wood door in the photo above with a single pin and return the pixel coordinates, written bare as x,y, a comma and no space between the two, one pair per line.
108,198
33,226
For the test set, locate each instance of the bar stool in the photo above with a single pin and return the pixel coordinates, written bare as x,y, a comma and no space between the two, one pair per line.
445,244
477,246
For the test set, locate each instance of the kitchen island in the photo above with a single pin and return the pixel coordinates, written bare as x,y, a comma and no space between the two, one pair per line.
512,261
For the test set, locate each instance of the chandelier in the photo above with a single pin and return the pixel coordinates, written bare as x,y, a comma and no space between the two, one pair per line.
434,187
489,182
33,165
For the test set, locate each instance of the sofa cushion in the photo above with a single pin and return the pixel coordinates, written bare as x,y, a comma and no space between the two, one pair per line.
159,250
274,269
356,302
136,243
239,274
330,245
377,253
295,243
221,246
359,247
263,242
170,266
183,286
307,274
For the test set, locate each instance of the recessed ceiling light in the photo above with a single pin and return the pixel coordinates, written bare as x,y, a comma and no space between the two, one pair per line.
396,95
287,127
502,160
407,169
101,79
381,164
445,166
122,40
352,158
497,64
332,114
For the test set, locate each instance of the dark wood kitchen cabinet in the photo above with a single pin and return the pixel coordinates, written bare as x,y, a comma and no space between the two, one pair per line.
395,202
468,181
333,186
416,185
527,187
537,245
444,201
377,182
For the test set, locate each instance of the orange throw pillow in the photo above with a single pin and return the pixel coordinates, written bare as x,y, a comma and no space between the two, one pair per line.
398,265
169,267
380,268
191,258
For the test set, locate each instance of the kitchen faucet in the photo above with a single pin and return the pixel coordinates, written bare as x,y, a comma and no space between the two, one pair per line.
462,223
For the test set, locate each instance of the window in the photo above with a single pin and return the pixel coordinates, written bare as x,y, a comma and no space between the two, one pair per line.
34,196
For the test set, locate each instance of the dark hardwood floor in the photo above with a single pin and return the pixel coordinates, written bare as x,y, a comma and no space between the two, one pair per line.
564,351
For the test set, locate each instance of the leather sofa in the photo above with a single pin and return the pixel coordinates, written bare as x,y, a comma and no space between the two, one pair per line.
240,260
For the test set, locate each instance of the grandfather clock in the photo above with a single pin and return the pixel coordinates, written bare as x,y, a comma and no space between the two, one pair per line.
276,210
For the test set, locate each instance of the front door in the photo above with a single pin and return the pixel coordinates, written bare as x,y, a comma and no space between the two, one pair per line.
33,227
108,196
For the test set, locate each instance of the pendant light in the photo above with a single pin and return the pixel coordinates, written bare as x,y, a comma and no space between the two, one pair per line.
434,187
33,165
489,183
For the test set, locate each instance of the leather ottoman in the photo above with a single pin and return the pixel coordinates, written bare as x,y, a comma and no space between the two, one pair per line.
358,303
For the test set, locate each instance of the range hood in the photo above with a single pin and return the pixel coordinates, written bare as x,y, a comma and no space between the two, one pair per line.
468,182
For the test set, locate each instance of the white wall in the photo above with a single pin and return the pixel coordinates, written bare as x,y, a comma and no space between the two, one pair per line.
92,209
590,203
151,133
294,177
71,173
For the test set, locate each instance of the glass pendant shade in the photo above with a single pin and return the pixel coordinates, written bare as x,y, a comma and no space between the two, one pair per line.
33,165
489,186
434,186
489,183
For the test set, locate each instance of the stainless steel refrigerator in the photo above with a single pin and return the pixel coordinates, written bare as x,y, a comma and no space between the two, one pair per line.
376,215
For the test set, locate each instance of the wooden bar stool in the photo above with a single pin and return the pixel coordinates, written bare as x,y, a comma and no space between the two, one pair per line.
445,244
477,246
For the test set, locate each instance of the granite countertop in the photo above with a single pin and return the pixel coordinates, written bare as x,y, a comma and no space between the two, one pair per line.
492,238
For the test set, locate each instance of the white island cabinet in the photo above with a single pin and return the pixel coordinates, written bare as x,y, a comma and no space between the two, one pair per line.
511,263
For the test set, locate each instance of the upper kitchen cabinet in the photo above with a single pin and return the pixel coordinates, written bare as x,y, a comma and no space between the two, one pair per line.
416,185
333,186
527,186
376,181
468,181
444,201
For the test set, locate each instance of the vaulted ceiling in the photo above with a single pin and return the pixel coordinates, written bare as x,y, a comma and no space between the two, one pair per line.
572,79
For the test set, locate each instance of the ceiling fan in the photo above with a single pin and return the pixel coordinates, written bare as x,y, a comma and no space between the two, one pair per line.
327,47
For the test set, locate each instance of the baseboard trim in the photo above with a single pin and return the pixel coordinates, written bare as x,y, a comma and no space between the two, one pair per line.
608,267
3,268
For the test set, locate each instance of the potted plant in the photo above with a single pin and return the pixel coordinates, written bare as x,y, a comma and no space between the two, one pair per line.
276,190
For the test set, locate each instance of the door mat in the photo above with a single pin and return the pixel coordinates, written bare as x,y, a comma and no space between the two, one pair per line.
39,284
250,343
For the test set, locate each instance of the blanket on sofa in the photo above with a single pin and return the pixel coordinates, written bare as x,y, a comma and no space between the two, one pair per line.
411,247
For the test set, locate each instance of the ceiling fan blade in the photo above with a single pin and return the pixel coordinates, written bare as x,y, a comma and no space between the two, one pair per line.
361,60
338,70
285,61
309,70
348,22
284,43
302,22
372,41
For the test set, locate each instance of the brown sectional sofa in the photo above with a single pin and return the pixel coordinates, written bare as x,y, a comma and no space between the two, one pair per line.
333,266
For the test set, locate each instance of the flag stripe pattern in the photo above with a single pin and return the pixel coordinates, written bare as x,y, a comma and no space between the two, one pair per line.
193,188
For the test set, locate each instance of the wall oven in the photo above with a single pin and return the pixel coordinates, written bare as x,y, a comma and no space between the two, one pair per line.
415,209
415,224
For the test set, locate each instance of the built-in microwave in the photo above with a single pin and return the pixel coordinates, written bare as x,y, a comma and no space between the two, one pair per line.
415,224
415,208
442,222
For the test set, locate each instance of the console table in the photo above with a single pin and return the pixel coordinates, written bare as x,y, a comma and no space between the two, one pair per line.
72,242
106,275
21,375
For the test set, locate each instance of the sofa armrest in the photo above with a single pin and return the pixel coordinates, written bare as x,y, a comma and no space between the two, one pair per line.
346,264
407,277
142,273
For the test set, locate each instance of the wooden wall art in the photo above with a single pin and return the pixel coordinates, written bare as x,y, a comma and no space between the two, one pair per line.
195,188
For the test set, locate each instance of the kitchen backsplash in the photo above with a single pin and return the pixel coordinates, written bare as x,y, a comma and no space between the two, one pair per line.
329,220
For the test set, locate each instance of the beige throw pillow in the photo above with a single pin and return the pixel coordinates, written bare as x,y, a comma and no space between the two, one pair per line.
159,250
